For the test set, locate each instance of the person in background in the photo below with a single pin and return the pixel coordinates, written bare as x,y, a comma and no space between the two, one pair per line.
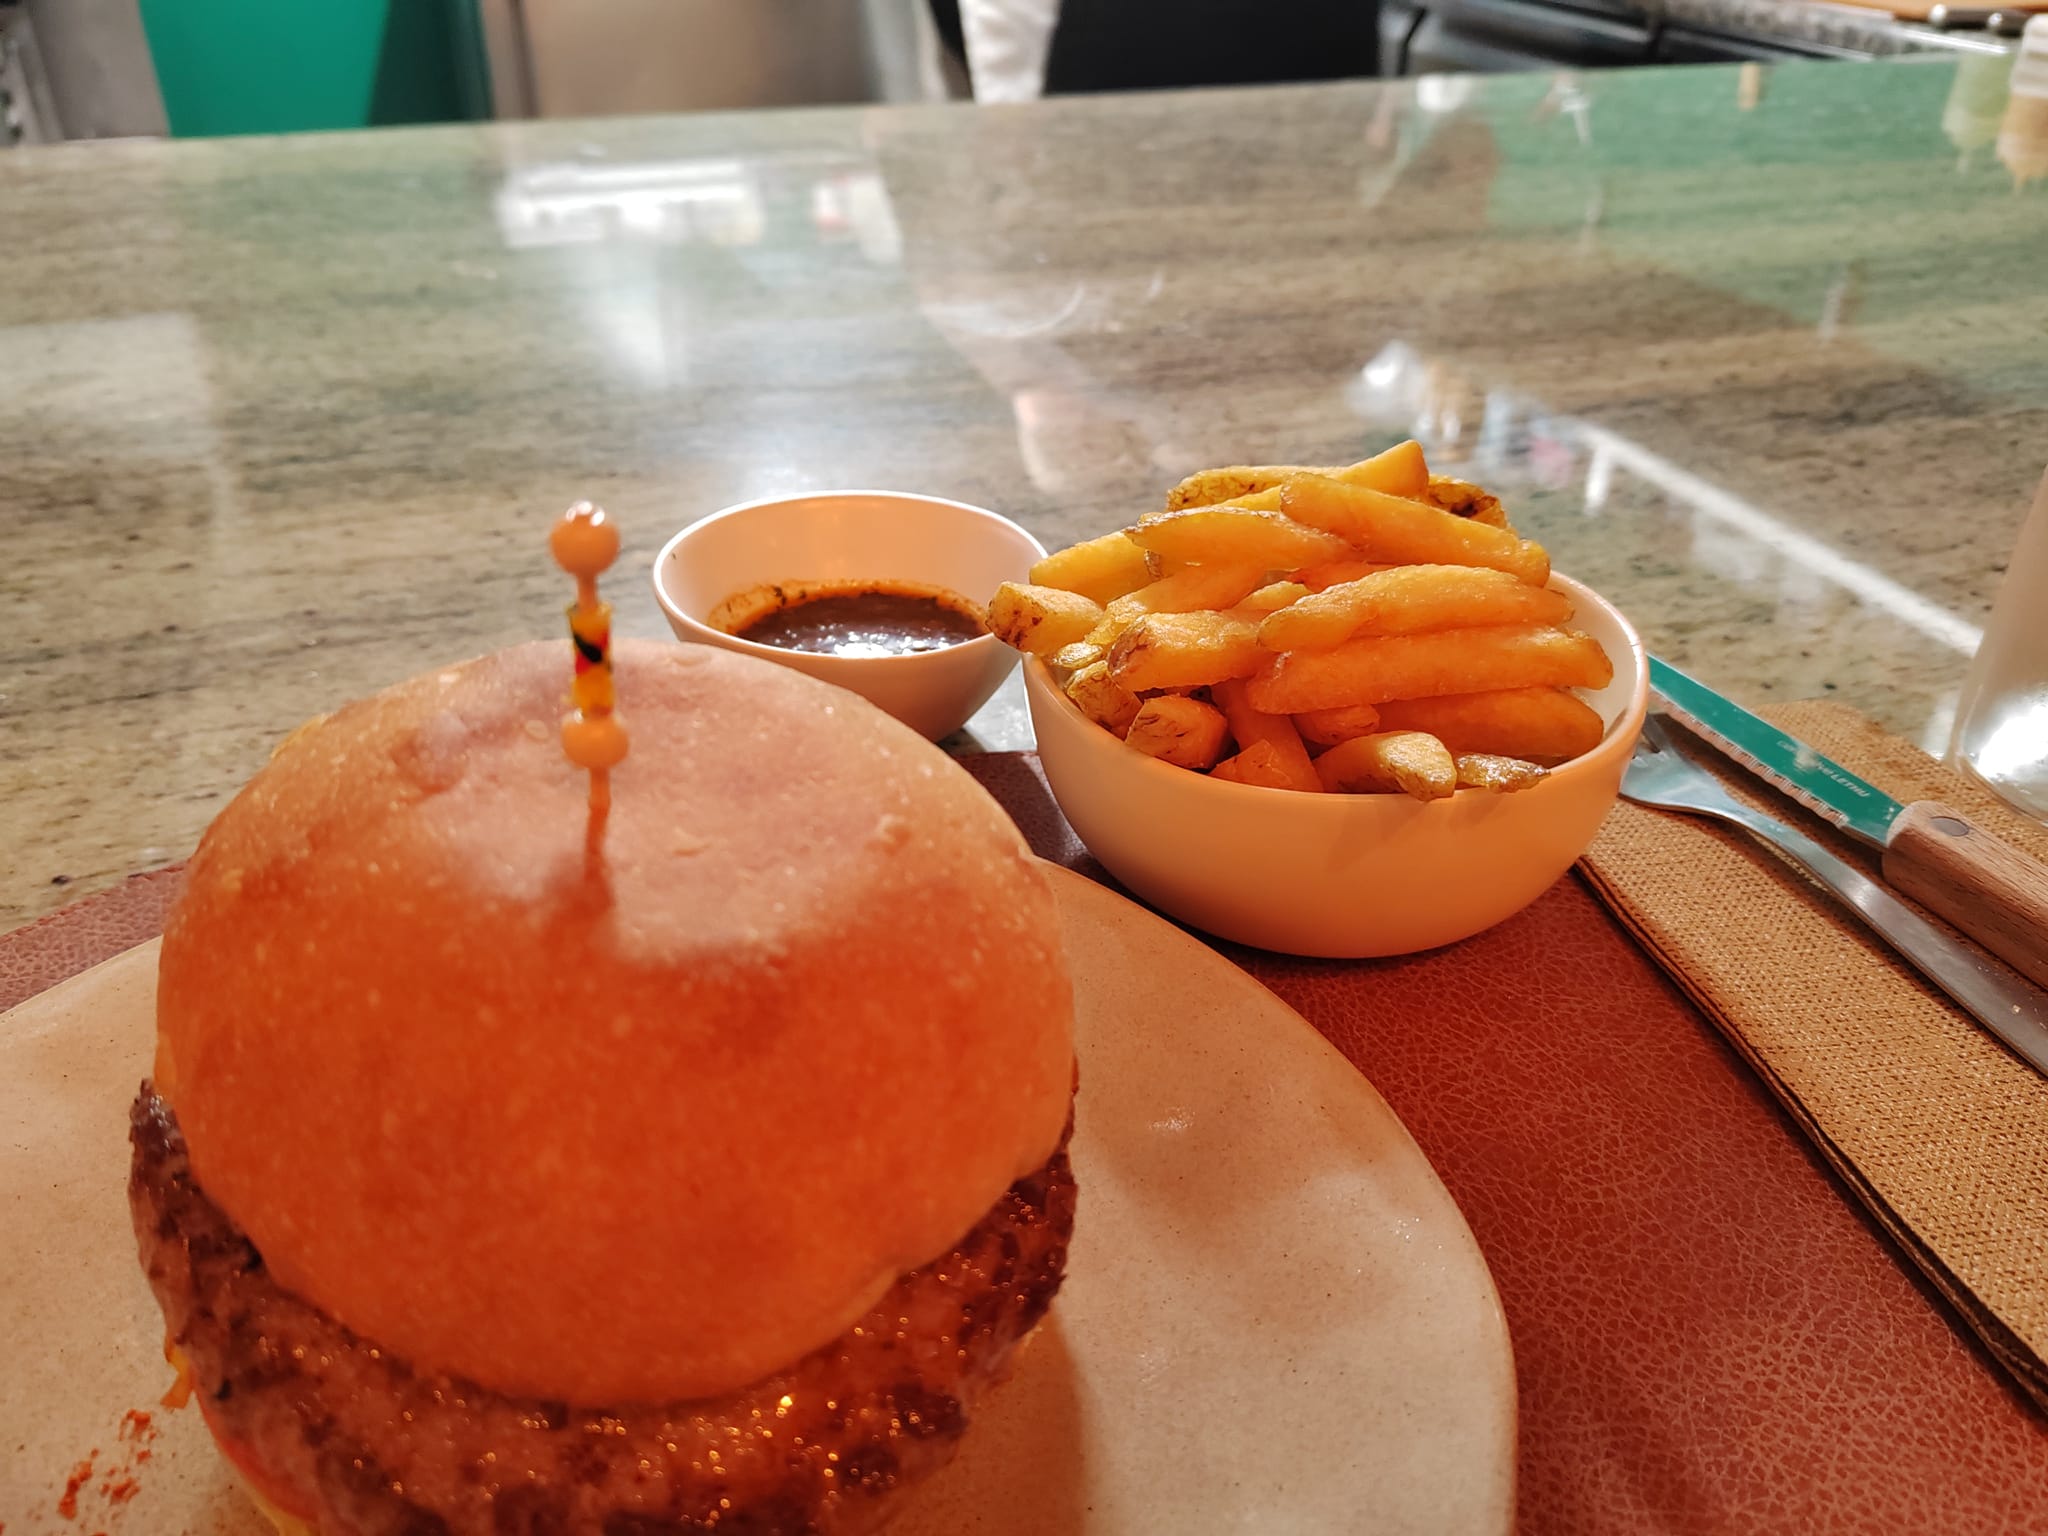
1016,50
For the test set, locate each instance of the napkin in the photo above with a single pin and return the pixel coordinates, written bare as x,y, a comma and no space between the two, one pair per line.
1934,1125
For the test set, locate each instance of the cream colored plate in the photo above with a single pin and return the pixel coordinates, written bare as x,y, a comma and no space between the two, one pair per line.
1274,1321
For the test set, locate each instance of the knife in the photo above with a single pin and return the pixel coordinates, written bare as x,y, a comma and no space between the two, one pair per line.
1999,999
1978,882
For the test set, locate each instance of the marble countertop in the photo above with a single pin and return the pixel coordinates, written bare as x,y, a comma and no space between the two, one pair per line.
1757,351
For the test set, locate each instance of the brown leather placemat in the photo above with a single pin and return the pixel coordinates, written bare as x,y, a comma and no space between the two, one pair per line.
1710,1335
1940,1130
78,937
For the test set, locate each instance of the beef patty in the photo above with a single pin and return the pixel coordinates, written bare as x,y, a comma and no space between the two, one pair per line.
336,1424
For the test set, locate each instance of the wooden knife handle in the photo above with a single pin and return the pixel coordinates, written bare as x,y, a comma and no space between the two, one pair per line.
1979,883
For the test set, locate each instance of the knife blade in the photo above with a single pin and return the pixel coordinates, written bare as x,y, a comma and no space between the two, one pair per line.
1973,879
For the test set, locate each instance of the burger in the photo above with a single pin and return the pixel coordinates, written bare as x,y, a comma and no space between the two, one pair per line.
698,1167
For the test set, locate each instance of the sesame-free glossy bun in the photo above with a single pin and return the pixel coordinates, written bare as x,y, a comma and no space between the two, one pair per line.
628,1121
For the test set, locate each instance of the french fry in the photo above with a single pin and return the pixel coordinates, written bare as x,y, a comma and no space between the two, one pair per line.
1233,483
1465,499
1374,669
1328,727
1409,761
1199,586
1409,599
1267,500
1400,471
1184,650
1388,619
1241,536
1102,699
1072,658
1403,532
1539,724
1039,620
1106,632
1257,764
1320,578
1099,569
1273,597
1249,727
1179,730
1504,775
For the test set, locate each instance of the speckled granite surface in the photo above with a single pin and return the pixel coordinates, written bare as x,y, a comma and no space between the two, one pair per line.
1759,353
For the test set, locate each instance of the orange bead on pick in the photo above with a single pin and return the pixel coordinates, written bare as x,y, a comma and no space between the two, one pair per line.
596,742
584,542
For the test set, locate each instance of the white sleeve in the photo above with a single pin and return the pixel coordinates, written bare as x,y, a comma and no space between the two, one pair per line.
1007,43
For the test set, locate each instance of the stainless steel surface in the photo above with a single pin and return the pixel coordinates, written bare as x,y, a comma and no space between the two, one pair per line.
2012,1010
1968,18
101,75
510,56
1489,36
27,114
606,58
1500,36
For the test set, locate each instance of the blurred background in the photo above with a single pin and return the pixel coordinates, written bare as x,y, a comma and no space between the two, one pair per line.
81,69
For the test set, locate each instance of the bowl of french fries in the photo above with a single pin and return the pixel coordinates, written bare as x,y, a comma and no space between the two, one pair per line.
1342,711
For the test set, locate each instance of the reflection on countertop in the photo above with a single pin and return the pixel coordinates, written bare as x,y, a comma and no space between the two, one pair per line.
1758,352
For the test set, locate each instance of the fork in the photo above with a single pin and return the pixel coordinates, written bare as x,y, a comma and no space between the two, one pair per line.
2012,1009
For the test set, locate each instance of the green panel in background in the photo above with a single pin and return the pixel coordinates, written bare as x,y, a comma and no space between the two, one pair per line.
283,66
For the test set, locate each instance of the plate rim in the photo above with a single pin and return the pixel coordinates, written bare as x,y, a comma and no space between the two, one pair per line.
1068,883
1077,893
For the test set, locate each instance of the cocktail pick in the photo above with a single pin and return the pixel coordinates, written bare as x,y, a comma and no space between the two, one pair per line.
584,542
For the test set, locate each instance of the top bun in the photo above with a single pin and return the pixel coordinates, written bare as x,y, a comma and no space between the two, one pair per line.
629,1122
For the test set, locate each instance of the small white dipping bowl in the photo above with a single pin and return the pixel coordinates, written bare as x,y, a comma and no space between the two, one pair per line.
1343,876
878,536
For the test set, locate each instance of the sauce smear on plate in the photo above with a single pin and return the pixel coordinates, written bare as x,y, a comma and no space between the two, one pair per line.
869,620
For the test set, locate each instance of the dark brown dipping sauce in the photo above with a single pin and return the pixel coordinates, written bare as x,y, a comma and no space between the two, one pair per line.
877,622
